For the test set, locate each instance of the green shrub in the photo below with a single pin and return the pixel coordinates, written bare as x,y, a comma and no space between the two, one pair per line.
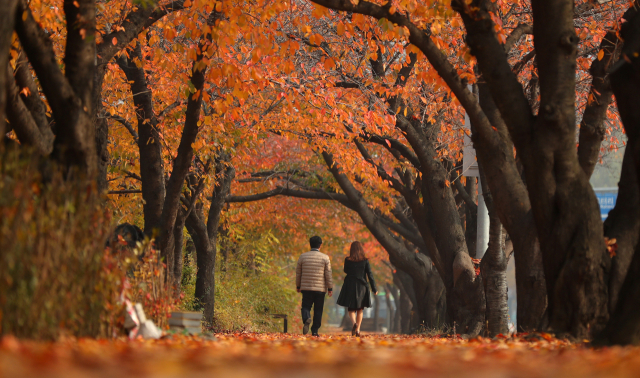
248,291
246,301
55,278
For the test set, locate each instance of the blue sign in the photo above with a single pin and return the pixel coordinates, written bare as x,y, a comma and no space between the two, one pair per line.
607,201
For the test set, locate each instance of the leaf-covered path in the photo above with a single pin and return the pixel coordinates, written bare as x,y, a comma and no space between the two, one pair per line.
277,355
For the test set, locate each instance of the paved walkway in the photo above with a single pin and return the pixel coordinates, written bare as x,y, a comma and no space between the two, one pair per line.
277,355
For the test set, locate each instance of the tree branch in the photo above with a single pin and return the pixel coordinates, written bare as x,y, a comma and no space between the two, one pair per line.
592,127
22,122
124,123
39,49
515,36
134,23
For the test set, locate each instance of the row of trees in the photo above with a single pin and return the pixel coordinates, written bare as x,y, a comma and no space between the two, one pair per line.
369,98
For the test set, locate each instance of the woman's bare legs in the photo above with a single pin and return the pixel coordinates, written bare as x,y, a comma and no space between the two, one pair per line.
352,316
359,319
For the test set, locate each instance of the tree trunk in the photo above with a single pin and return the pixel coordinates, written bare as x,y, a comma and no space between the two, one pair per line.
69,94
101,129
182,162
493,268
403,281
624,325
397,319
376,311
391,312
205,235
465,297
623,225
512,205
7,17
471,217
149,145
592,126
178,257
430,298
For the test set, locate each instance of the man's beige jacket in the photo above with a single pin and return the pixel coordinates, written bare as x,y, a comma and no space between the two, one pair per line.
313,272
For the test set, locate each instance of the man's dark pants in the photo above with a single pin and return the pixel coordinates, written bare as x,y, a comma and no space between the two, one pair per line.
315,299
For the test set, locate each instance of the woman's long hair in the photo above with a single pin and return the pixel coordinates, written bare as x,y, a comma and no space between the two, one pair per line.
357,252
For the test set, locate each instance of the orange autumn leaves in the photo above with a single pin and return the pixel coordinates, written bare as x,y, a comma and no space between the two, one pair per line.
280,355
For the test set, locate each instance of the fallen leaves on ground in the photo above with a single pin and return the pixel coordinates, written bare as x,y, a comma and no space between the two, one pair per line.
279,355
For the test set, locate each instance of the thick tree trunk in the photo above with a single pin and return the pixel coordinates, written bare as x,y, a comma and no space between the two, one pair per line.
623,225
102,129
564,206
75,144
70,94
403,281
150,148
624,325
430,298
7,17
513,207
493,268
494,277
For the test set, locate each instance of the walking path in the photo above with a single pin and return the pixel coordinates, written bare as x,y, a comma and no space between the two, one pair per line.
336,355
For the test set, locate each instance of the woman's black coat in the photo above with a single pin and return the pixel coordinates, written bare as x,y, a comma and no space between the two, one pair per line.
355,291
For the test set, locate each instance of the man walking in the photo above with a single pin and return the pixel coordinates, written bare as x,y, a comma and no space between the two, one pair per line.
313,279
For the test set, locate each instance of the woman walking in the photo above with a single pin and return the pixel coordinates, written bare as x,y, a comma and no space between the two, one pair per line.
355,291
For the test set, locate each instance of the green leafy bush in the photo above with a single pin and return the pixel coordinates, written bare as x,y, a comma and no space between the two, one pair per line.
246,301
249,288
55,277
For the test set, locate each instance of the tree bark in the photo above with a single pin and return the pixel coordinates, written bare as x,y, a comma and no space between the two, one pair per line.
149,145
132,25
182,162
493,268
465,297
624,325
175,270
68,94
392,311
404,283
512,205
7,17
592,127
471,217
564,206
376,312
21,120
204,236
623,225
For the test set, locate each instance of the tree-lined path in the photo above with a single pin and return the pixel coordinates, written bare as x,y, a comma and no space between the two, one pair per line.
278,355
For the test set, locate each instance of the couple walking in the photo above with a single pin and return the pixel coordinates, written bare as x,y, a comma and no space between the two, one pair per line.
313,280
